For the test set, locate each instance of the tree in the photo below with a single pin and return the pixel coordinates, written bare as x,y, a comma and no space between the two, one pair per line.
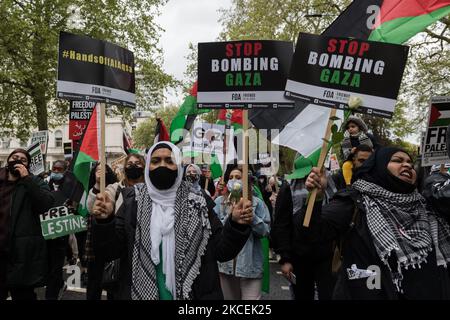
29,31
144,134
427,70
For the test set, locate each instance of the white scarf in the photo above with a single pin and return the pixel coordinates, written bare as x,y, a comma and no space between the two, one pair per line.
163,218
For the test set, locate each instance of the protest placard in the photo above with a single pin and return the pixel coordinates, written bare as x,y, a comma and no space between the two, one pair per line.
60,221
434,149
95,70
79,114
40,137
37,164
327,71
243,74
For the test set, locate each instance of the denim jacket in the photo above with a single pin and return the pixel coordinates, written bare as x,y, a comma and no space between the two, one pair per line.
249,262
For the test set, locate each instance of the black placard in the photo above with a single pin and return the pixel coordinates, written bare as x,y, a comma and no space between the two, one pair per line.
243,74
90,69
327,71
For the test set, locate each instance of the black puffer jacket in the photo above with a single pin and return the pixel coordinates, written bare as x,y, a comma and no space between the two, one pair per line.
333,221
114,239
27,262
285,237
437,191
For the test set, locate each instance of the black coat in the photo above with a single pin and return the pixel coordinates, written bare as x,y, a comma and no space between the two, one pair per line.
334,221
286,240
114,239
27,262
437,191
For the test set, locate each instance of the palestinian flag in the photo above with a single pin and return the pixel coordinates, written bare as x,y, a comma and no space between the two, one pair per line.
161,133
185,116
439,114
88,154
235,120
397,21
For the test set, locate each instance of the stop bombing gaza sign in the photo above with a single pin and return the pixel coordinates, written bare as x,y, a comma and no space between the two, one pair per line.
327,71
243,74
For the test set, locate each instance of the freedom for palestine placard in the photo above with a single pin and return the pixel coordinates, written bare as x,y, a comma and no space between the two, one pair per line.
327,71
243,74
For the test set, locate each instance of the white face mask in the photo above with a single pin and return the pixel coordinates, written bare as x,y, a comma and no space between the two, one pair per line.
234,185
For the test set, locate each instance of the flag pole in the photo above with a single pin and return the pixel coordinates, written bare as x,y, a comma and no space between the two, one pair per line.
225,139
102,148
245,154
323,153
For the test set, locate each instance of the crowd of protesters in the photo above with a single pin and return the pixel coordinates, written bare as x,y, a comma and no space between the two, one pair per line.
167,230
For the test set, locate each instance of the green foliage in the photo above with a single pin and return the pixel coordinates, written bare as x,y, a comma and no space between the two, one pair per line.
29,32
144,134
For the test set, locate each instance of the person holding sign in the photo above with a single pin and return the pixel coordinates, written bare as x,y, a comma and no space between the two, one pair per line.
23,252
398,245
96,265
57,248
168,241
133,174
241,278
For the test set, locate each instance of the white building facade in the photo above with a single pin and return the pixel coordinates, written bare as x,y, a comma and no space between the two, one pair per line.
59,135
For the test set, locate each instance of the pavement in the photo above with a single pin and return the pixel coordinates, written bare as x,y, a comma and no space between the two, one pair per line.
279,287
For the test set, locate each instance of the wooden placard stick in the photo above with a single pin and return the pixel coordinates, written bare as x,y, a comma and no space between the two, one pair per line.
323,154
102,148
245,190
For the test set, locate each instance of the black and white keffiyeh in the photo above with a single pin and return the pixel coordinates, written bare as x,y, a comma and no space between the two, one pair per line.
192,231
402,224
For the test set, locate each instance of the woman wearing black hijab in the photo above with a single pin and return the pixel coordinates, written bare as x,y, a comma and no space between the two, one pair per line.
395,245
167,239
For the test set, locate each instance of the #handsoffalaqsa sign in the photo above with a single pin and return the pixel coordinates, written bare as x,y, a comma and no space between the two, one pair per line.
95,70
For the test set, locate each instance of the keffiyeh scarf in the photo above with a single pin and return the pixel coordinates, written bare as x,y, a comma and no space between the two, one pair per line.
192,231
402,224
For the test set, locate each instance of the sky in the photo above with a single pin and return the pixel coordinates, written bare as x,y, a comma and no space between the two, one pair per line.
186,21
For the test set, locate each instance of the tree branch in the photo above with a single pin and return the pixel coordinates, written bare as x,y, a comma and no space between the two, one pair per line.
437,36
23,87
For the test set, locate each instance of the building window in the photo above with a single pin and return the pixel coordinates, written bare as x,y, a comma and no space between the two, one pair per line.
58,139
5,143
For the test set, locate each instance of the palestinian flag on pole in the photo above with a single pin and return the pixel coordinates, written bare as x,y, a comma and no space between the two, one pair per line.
236,118
161,133
88,154
185,116
394,21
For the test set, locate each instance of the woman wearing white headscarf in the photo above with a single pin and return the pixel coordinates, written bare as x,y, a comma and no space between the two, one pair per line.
165,234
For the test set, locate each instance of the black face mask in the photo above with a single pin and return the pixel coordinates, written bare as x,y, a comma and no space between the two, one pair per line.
134,172
10,167
163,178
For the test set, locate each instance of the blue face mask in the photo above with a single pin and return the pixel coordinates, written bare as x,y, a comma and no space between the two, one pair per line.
234,183
56,176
